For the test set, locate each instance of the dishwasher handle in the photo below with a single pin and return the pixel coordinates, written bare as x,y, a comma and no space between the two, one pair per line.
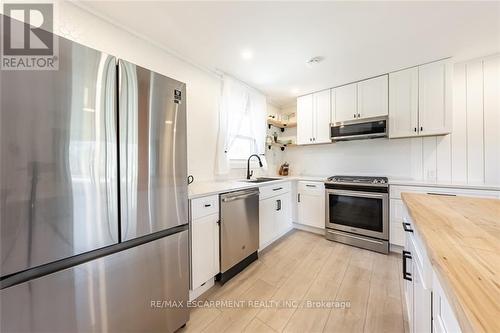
238,196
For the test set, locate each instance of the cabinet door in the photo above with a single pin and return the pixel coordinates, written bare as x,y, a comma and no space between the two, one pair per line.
322,117
373,97
283,214
345,103
203,249
421,303
305,119
403,103
408,285
443,317
267,228
311,205
396,232
434,109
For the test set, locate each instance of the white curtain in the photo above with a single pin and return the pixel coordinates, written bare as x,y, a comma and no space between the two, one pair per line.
239,103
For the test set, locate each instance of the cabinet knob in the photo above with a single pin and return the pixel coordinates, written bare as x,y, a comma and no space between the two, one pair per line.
354,115
310,139
415,129
421,128
359,115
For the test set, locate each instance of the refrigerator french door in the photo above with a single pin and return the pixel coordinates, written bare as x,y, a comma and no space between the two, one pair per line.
93,197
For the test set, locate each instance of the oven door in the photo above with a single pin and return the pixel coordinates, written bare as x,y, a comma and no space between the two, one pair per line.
363,213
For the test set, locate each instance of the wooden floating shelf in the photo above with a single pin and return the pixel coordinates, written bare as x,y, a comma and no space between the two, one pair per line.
282,146
281,125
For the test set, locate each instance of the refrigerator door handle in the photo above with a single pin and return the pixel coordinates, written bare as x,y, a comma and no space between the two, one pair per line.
110,124
178,206
125,133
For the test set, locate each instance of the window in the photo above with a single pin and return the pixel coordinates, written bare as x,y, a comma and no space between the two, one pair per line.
242,126
244,144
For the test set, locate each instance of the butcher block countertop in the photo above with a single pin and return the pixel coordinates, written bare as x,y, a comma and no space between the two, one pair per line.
462,239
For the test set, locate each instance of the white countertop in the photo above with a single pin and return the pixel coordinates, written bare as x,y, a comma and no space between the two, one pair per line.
203,188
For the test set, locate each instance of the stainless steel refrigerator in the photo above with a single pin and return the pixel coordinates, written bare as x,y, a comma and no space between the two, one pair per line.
93,201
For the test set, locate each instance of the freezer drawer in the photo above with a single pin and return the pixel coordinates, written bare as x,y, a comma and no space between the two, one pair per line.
110,294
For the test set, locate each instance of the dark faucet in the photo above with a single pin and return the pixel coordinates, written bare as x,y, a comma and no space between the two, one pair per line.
250,173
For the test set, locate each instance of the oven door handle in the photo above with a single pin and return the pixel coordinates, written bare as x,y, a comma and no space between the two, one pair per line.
358,194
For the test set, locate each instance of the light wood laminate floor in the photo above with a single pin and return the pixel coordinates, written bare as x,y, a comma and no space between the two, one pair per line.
273,293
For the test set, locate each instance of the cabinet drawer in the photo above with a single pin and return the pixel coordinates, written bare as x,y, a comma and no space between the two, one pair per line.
395,191
311,188
204,206
274,190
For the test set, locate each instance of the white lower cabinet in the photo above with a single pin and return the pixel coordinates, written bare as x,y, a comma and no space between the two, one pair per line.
443,318
275,213
267,208
311,204
421,302
396,232
204,240
427,307
398,211
417,284
284,214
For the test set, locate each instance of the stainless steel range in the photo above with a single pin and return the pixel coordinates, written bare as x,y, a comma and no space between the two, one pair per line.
357,211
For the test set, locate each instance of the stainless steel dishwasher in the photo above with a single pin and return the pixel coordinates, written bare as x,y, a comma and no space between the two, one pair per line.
239,231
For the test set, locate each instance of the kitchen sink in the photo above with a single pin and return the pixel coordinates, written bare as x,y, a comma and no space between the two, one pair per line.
261,180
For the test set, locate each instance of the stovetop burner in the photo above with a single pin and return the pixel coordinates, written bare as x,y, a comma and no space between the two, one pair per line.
358,180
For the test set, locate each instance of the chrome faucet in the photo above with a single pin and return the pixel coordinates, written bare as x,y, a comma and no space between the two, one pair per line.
250,173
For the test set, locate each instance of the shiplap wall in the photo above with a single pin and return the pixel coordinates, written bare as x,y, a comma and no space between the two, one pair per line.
471,154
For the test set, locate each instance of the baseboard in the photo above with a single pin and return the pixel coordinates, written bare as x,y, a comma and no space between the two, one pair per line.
194,294
308,228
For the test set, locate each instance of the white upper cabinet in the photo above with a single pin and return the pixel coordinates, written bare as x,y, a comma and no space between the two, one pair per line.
373,98
345,103
304,119
403,103
420,101
322,107
434,95
313,118
361,100
417,101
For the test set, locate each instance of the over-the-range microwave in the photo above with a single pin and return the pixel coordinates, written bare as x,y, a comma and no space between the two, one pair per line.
359,129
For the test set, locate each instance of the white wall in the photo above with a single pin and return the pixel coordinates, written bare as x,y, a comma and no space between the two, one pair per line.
203,87
471,154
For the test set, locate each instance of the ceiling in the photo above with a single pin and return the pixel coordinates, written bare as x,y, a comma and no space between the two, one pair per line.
356,39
